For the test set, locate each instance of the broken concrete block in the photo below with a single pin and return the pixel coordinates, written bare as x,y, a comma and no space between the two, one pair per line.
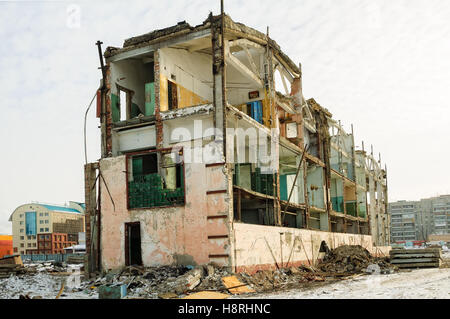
112,292
294,270
168,295
210,270
189,280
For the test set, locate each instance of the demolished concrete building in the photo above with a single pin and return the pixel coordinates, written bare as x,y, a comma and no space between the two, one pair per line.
207,158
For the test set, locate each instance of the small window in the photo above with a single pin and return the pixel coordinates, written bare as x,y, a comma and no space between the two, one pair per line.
46,214
41,229
22,245
21,222
46,221
21,230
41,222
22,237
46,229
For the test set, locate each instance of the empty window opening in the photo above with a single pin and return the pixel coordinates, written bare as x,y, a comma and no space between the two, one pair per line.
172,95
251,209
123,104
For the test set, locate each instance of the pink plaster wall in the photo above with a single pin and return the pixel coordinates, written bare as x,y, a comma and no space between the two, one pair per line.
173,235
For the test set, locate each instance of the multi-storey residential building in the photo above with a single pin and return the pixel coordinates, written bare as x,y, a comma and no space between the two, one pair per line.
29,221
403,220
211,153
441,215
52,243
417,220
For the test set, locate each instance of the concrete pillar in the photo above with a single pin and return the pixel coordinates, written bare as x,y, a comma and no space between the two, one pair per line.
92,235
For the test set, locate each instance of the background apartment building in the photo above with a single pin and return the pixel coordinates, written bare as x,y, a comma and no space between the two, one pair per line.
417,220
403,220
46,229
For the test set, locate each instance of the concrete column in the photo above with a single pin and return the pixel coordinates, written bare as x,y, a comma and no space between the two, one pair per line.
90,193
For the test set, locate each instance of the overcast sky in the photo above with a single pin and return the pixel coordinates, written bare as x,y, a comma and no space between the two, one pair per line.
383,66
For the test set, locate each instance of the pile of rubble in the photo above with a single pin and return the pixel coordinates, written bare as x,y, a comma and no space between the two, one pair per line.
353,259
185,281
46,266
267,280
160,282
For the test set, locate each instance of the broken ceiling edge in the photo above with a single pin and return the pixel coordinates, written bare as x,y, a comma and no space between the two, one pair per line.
183,28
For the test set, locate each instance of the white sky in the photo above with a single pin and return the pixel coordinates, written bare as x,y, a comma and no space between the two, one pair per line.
382,65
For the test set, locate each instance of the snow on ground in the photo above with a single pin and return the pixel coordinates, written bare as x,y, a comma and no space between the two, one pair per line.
44,285
422,284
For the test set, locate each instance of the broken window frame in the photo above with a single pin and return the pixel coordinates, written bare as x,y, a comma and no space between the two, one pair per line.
172,95
129,96
160,164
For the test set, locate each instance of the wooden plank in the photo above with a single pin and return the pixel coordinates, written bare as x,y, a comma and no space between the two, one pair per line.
207,295
234,286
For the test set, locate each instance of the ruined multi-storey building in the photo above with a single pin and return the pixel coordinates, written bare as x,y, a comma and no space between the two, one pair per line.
206,157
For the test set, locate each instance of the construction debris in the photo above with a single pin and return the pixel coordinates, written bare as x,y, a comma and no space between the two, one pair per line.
112,292
352,259
8,270
191,282
207,295
236,287
11,260
416,258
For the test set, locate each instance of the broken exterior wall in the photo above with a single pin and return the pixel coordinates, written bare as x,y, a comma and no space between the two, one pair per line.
190,72
272,247
187,235
199,231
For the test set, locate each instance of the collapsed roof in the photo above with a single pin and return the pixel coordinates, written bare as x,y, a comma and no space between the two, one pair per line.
231,29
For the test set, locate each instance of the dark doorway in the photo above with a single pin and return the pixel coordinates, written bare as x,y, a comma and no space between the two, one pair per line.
133,244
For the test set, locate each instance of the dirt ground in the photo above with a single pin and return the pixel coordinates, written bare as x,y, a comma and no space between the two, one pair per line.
431,283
